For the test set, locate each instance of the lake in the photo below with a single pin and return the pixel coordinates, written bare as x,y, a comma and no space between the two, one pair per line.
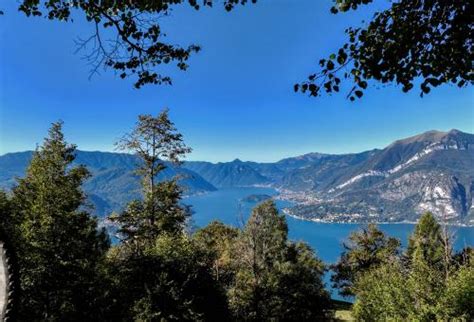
326,239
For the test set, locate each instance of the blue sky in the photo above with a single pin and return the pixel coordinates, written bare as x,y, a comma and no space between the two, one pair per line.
235,101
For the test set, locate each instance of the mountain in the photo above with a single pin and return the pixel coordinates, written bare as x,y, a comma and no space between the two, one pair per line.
433,171
228,174
113,182
323,173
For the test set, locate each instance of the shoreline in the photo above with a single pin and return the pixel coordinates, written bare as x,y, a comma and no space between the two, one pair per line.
320,221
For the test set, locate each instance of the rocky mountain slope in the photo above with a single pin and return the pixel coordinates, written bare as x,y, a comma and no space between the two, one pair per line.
433,172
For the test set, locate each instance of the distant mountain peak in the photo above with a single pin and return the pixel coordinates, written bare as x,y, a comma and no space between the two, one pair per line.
454,131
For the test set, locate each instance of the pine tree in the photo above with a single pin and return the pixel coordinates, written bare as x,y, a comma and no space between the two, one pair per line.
60,245
427,266
427,244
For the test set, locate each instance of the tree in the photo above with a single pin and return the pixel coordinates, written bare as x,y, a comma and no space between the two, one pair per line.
427,42
153,140
159,272
383,294
136,47
275,279
170,281
219,240
459,296
427,244
365,250
427,265
60,246
417,288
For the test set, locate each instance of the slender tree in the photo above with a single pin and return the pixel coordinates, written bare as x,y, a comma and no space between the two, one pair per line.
154,140
427,244
427,266
60,245
159,272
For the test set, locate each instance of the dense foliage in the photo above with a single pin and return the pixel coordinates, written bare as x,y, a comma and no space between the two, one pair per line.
412,42
422,285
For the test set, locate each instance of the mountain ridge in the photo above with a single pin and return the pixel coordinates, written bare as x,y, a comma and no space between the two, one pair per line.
431,171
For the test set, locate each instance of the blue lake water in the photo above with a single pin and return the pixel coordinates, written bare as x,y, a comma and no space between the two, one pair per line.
326,239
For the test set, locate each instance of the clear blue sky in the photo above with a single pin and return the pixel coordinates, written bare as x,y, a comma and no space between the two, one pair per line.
235,101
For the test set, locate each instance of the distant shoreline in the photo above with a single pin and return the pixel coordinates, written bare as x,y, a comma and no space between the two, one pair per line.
366,223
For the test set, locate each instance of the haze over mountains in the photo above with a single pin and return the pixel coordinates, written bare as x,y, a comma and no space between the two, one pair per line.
433,171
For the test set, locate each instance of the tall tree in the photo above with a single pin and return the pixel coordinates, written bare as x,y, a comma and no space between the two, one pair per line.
154,140
60,245
427,243
159,272
426,42
274,278
427,265
365,250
